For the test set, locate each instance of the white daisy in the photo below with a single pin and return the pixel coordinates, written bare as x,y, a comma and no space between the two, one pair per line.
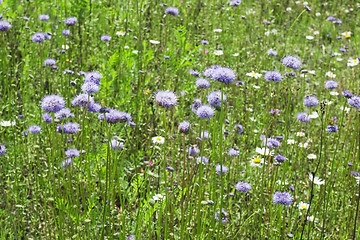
154,42
303,206
309,37
311,156
330,74
218,30
218,52
7,123
291,141
317,180
120,33
158,197
256,162
254,75
158,140
264,151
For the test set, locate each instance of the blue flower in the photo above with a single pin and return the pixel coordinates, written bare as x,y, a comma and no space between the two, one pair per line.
233,152
49,62
243,186
292,62
5,25
115,145
44,17
47,118
221,74
303,117
354,101
172,11
202,159
166,99
214,98
90,87
63,113
221,169
184,127
105,38
70,21
52,103
311,101
66,32
72,153
331,84
271,143
2,150
193,150
332,128
38,37
274,76
347,94
283,198
205,111
202,83
71,128
34,129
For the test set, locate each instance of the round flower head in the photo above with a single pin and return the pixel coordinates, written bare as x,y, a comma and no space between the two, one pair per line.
214,98
239,128
44,17
303,117
82,100
311,101
271,143
90,88
202,83
66,32
165,99
52,103
204,135
66,163
34,129
271,52
280,158
224,216
70,128
49,62
131,237
283,198
332,128
235,2
5,25
243,186
273,76
70,21
347,94
72,153
114,116
221,74
38,37
63,113
172,11
193,150
292,62
202,159
93,77
196,104
331,84
105,38
184,127
2,149
233,152
354,101
94,107
205,111
204,42
221,168
195,73
47,118
115,145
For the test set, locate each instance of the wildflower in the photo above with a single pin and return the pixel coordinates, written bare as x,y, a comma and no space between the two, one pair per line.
280,158
193,150
7,123
2,149
184,127
43,17
291,141
300,134
254,75
218,52
154,42
70,21
93,77
224,216
196,104
332,128
221,169
159,197
353,62
309,37
271,52
72,153
221,74
105,38
313,115
47,118
331,84
202,83
165,99
303,206
158,140
5,25
82,100
90,88
52,103
283,198
120,33
66,163
264,151
311,156
130,237
205,111
204,135
38,37
49,62
25,133
195,73
354,101
274,76
271,143
303,117
34,129
311,101
239,128
66,32
115,116
172,11
214,98
218,30
346,34
115,145
233,152
256,162
243,186
292,62
235,2
202,159
312,219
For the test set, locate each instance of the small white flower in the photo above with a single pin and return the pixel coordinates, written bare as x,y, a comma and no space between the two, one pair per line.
282,182
346,34
346,109
250,11
257,87
255,130
254,75
126,47
339,59
316,32
303,206
7,123
135,51
252,119
158,140
309,37
337,54
312,72
300,134
154,42
264,151
236,54
120,33
311,156
333,93
65,46
352,62
218,52
317,180
317,14
327,102
330,74
218,30
159,197
249,109
256,162
312,219
288,9
291,141
313,115
303,145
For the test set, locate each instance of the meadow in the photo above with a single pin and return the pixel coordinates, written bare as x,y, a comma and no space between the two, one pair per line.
181,120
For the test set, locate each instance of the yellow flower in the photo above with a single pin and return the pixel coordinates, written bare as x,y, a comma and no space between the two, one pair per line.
256,160
147,91
348,36
67,60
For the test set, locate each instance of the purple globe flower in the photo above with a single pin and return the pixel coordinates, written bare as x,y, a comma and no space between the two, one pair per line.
347,94
115,116
311,101
214,98
195,73
243,186
34,129
116,145
221,169
202,159
205,111
47,118
235,2
196,104
5,25
224,216
331,84
273,76
66,32
233,152
239,128
70,128
93,77
2,150
172,11
204,42
221,74
38,37
90,87
166,99
82,100
72,153
271,52
66,163
202,83
105,38
271,143
184,127
193,150
70,21
49,62
280,158
63,113
44,17
292,62
283,198
94,107
354,101
52,103
332,128
303,117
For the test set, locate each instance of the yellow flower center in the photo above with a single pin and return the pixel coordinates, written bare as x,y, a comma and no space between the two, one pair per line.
256,160
67,60
355,60
348,36
147,91
158,138
303,207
